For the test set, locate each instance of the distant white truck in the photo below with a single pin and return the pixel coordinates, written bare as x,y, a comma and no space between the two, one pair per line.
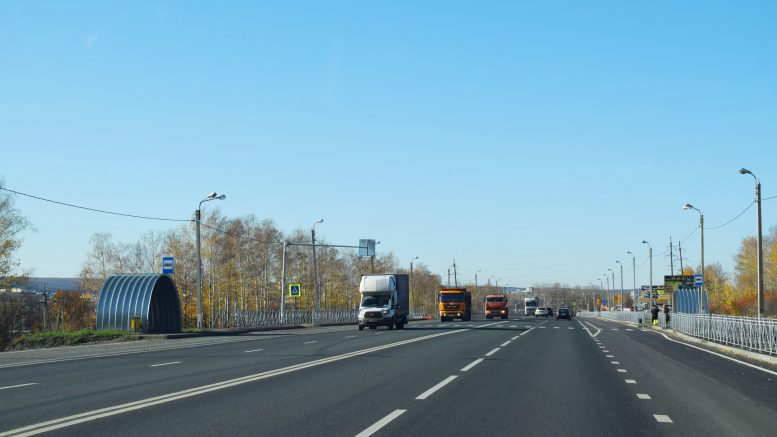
384,301
530,305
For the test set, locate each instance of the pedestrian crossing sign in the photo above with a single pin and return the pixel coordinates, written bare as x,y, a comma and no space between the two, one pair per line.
294,290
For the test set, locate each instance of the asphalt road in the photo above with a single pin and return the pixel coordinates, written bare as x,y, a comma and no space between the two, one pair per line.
523,376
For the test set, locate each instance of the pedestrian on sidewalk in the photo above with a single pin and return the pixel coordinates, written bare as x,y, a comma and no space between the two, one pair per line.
667,310
654,314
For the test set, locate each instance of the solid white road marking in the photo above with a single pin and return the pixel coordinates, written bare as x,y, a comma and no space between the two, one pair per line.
380,424
19,385
63,422
643,396
622,371
440,385
472,364
492,352
662,418
505,343
164,364
253,350
631,381
588,330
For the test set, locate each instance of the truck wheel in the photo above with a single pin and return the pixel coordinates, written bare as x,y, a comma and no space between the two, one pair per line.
361,327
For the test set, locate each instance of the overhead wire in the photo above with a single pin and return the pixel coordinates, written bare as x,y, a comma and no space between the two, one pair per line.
94,209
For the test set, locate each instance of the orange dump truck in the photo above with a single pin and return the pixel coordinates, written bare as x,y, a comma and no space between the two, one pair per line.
496,306
455,303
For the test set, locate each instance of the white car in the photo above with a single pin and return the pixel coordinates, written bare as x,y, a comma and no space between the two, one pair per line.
541,311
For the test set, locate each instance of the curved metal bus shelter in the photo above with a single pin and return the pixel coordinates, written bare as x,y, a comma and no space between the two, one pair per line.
144,303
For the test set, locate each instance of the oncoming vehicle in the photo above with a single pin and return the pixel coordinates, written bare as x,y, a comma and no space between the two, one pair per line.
564,313
530,305
496,306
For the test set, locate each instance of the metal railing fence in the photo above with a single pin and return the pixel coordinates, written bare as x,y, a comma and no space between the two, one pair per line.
272,318
750,333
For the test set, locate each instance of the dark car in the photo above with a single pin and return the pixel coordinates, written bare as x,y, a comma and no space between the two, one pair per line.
550,312
564,313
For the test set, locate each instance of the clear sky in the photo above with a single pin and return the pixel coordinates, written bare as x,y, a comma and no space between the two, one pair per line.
535,141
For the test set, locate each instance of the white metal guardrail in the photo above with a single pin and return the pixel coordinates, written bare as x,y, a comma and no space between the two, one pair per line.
750,333
271,319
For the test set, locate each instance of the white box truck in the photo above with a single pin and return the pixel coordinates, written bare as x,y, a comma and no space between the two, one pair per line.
384,301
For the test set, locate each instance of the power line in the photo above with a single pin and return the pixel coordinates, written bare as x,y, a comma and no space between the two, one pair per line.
738,215
93,209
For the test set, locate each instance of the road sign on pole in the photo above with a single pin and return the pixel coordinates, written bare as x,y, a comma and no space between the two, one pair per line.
168,264
294,290
698,281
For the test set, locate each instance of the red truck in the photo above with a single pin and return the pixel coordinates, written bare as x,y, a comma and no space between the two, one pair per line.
496,306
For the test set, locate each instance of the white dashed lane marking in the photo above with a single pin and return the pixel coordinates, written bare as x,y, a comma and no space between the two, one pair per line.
380,424
504,344
19,385
610,356
165,364
662,418
472,364
495,350
622,371
252,350
615,362
643,396
311,342
440,385
631,381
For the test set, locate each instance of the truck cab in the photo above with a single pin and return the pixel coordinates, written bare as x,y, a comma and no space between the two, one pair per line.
496,306
384,301
455,303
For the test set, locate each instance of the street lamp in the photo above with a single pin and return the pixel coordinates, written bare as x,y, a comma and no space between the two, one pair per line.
476,280
607,278
211,196
759,243
601,287
315,272
701,224
650,256
411,282
621,264
634,272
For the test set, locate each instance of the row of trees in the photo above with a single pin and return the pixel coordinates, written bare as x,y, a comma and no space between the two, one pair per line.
241,260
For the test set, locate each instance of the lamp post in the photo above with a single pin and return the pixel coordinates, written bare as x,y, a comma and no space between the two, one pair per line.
601,287
634,271
315,272
211,196
621,264
759,242
476,280
701,224
612,290
607,278
650,256
411,283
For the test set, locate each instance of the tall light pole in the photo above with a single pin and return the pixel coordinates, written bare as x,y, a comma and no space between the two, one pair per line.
759,243
601,287
315,272
634,271
612,290
607,278
650,256
701,224
411,283
621,264
211,196
476,280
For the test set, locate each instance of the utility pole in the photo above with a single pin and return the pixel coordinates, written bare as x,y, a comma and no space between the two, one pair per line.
455,280
680,249
315,273
671,257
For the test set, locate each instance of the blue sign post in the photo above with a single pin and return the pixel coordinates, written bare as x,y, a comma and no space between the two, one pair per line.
168,264
698,281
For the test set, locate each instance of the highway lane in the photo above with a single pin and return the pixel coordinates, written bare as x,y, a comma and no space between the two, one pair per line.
475,378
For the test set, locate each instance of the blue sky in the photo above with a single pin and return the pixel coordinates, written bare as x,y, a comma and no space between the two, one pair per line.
535,141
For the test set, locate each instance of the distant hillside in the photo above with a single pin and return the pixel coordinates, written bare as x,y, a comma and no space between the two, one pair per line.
52,284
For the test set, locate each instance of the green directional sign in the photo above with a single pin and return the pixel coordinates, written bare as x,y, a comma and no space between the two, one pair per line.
295,290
